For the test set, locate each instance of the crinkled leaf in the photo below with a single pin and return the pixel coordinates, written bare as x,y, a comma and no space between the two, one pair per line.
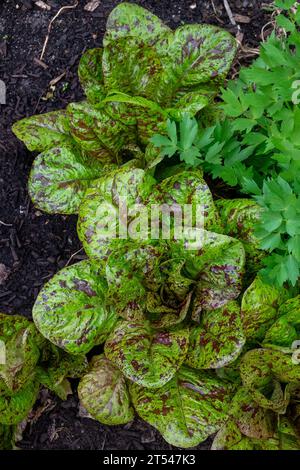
264,373
44,131
19,350
219,340
147,356
59,177
216,262
58,369
103,393
259,308
188,409
90,75
15,407
70,310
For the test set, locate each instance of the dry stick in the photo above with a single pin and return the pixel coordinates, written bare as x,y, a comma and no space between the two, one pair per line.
229,12
6,225
71,257
50,25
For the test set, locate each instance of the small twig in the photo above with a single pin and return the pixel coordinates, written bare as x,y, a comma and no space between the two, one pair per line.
6,225
68,7
71,257
229,12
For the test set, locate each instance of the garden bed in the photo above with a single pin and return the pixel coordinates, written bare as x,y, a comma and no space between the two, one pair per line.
34,245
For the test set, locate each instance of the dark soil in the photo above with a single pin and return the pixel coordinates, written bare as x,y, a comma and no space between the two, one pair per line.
33,245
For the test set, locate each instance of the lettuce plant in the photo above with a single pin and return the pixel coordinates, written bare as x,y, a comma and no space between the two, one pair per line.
193,340
27,362
184,342
144,73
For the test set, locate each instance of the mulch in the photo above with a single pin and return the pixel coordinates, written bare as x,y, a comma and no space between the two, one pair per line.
34,245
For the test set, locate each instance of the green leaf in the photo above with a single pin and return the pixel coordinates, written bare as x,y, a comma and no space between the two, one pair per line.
99,135
15,407
20,343
103,207
147,356
188,409
59,178
216,262
264,382
239,218
162,65
219,340
90,75
103,393
259,308
70,309
44,131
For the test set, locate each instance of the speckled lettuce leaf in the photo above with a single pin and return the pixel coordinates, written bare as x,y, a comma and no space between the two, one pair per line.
6,437
161,64
219,339
104,394
188,409
188,187
98,135
146,115
128,19
193,55
59,177
90,75
14,407
239,217
251,427
264,373
190,104
286,329
99,217
70,310
130,61
19,351
55,372
216,263
147,356
44,131
259,308
131,269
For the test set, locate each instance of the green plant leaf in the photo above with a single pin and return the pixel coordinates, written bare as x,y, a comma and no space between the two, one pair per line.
147,356
90,75
20,342
103,393
70,309
219,340
259,308
44,131
59,178
265,383
188,409
16,406
99,213
216,262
